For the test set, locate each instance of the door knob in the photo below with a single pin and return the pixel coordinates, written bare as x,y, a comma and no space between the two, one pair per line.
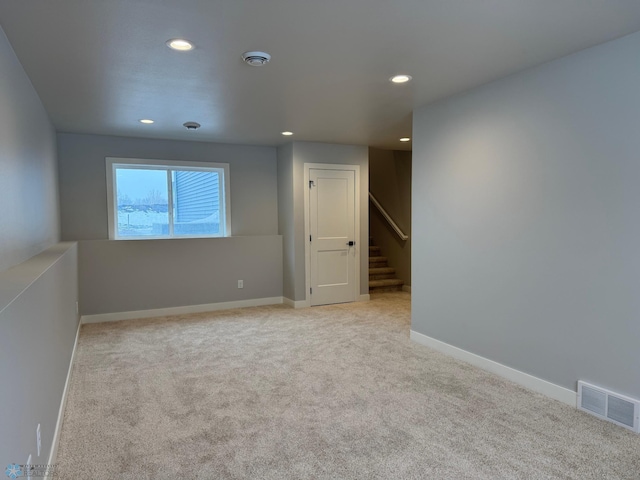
351,244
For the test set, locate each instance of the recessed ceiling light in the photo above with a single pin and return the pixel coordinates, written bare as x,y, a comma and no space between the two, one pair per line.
287,133
401,78
146,120
180,44
405,139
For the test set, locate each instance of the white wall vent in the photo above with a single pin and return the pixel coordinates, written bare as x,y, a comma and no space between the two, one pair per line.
616,408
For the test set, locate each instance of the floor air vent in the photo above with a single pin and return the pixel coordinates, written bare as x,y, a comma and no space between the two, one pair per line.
621,410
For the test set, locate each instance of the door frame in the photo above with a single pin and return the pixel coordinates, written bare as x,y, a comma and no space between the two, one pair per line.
307,227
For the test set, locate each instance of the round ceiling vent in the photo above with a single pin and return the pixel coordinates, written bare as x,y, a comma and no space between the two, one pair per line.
191,125
256,59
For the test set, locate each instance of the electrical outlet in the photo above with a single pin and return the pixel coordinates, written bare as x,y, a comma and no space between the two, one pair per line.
39,440
240,284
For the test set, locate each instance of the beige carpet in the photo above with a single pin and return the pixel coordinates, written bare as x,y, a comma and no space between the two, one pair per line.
322,393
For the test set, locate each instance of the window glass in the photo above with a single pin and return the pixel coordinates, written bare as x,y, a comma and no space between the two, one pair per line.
162,199
142,201
196,203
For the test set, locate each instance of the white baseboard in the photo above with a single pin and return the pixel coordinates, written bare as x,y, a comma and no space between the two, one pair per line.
163,312
296,303
63,403
406,288
536,384
307,303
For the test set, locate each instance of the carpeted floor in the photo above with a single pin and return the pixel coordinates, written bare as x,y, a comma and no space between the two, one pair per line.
322,393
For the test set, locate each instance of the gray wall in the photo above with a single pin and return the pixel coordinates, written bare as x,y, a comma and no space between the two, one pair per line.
28,181
122,276
38,324
149,274
291,188
38,295
308,152
390,183
286,221
525,210
83,188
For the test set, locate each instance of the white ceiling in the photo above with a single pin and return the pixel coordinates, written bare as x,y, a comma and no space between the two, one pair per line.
101,65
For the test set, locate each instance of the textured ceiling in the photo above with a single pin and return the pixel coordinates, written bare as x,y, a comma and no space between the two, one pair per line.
100,66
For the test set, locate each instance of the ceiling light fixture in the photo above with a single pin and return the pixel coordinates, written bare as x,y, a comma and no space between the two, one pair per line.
256,59
400,78
180,44
146,121
287,134
405,139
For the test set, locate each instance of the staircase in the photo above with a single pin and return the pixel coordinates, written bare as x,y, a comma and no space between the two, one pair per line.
382,277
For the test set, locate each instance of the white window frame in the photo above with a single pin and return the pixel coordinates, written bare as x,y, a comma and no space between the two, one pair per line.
112,208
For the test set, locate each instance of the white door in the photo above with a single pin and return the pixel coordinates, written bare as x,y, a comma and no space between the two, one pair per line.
333,243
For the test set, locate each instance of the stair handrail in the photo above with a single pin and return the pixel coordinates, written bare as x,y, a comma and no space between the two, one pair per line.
388,218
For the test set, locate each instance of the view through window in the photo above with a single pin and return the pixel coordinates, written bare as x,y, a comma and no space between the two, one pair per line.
163,201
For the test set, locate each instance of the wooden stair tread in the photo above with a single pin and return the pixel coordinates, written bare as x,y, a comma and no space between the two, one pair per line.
388,282
381,277
381,270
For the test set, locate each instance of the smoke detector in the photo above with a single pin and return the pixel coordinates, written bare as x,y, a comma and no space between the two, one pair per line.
191,125
256,59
